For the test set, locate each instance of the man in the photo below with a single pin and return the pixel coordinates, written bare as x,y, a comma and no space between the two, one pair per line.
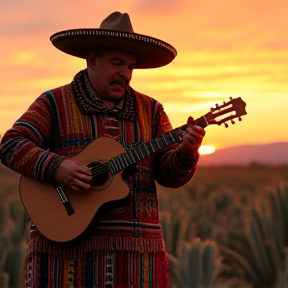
125,249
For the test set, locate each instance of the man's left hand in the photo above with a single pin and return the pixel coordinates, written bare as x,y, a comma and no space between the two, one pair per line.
192,139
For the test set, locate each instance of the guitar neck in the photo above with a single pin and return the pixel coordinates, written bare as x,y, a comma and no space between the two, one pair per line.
146,149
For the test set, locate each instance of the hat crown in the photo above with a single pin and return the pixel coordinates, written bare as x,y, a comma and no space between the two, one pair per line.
117,21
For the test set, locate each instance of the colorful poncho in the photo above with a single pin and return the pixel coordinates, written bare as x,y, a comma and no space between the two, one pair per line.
127,247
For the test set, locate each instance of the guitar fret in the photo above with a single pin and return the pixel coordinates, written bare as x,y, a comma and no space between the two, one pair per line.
131,156
137,154
124,160
114,168
171,136
141,152
119,163
111,166
165,139
128,159
117,168
152,146
158,143
148,153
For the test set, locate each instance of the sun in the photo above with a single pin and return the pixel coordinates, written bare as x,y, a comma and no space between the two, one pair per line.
206,149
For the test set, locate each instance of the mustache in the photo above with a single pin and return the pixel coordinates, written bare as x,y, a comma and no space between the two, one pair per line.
122,80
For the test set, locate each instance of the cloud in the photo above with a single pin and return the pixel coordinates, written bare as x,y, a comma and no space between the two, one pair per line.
27,18
225,48
32,17
157,6
226,25
26,29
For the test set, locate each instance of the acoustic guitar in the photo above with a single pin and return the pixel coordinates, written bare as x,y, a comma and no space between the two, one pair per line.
68,217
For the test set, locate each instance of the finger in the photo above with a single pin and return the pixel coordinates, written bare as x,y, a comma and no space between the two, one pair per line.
85,178
193,140
199,130
79,186
193,137
190,120
84,170
195,131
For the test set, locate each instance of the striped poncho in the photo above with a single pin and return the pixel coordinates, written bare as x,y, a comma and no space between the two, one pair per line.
126,248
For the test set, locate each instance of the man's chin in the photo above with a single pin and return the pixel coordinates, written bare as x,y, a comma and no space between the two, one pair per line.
115,97
117,94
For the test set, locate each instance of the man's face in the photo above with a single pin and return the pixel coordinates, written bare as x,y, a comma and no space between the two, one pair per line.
112,74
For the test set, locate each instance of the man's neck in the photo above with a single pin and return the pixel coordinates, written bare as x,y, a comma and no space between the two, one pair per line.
108,103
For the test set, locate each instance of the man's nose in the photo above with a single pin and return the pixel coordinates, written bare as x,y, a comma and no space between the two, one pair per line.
126,73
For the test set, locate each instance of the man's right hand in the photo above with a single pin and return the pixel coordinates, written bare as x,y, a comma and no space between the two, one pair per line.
73,176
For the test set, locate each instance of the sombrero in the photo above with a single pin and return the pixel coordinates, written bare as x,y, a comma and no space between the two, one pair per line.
115,32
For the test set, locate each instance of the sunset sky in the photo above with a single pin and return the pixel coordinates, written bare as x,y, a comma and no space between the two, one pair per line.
225,48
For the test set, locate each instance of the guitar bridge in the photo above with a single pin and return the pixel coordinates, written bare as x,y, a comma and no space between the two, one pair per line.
67,205
61,194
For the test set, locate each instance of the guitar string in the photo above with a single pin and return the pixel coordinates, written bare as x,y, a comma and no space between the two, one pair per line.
99,180
101,167
100,177
104,167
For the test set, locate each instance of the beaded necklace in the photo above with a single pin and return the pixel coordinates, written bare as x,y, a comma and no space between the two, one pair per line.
90,103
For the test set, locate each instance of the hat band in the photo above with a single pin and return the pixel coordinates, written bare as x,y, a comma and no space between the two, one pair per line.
116,34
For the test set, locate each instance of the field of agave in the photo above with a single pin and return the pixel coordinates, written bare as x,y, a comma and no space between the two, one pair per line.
227,228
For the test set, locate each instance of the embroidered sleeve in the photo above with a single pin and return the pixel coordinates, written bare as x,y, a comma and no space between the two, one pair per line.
25,147
171,168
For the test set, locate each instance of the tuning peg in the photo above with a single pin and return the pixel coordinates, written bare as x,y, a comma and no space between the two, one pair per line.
239,118
226,125
233,122
223,102
230,98
216,105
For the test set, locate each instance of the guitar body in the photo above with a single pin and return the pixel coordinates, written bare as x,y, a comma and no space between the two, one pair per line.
47,211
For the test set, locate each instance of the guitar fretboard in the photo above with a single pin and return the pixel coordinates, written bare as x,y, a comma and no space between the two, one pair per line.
146,149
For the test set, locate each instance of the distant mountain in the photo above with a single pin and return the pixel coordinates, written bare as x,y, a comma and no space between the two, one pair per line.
271,154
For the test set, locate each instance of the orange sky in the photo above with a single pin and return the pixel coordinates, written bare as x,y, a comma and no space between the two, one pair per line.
226,48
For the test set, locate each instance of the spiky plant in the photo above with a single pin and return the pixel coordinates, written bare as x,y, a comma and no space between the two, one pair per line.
13,239
282,274
199,264
264,239
175,229
174,272
4,280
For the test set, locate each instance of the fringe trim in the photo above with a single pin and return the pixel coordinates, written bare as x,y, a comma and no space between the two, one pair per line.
96,243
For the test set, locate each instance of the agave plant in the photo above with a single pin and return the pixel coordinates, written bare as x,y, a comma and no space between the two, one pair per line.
175,229
4,280
260,253
192,262
13,244
199,264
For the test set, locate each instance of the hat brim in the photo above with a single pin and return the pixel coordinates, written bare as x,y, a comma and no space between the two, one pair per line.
150,52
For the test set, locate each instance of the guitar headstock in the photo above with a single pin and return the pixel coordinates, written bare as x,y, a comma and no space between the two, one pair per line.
234,108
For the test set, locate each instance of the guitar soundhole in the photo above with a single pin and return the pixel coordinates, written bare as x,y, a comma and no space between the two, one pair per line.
100,173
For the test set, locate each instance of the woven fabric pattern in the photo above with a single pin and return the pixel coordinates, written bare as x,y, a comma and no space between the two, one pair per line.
126,248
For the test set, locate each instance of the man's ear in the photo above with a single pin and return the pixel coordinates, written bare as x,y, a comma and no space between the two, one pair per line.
91,60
